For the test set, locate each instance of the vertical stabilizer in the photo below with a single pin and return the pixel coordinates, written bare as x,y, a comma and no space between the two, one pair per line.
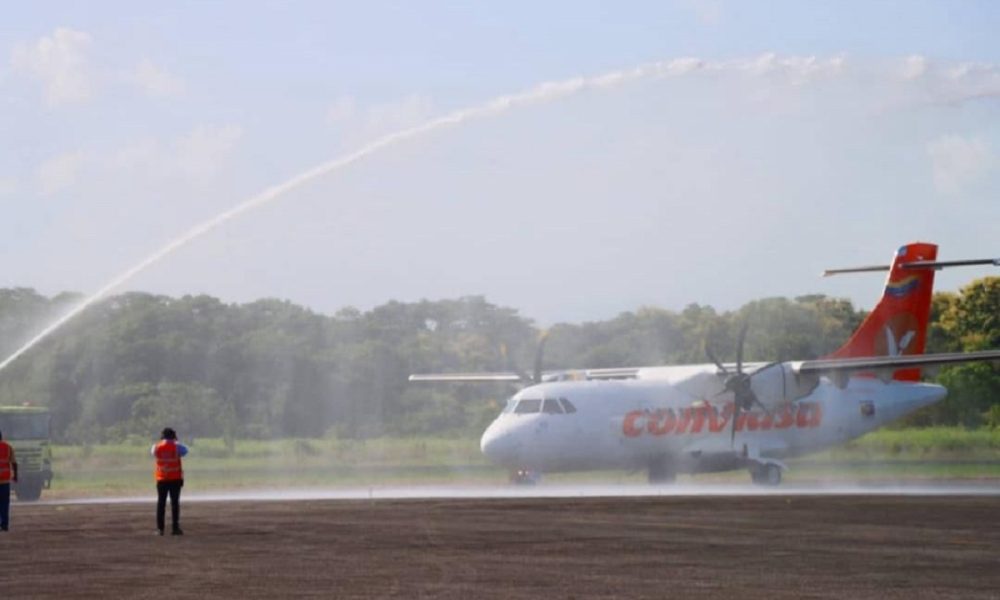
898,324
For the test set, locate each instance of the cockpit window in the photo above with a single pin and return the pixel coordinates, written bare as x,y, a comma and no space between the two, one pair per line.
528,405
567,406
549,406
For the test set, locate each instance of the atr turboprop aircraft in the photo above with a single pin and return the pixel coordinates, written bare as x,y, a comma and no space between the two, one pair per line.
720,417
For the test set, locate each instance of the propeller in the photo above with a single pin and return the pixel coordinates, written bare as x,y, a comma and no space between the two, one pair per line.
536,375
739,383
539,354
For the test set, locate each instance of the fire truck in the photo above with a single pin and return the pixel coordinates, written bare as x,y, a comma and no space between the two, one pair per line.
26,428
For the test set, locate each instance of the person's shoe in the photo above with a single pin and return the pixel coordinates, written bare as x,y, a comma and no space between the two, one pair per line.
3,528
177,531
159,532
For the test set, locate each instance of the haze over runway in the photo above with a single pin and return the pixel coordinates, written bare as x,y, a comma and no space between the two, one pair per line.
566,490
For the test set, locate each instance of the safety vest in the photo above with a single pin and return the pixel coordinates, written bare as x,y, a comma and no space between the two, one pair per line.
168,461
6,461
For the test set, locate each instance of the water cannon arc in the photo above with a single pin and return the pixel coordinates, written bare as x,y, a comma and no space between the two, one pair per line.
543,92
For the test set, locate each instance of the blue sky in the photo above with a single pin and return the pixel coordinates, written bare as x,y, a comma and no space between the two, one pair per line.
809,135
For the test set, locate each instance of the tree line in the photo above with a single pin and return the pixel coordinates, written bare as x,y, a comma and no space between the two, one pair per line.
134,362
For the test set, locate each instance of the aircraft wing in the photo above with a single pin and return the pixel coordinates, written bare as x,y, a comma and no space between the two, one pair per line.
840,369
547,376
466,377
612,373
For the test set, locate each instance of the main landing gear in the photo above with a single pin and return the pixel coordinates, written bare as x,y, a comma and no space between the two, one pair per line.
661,473
765,474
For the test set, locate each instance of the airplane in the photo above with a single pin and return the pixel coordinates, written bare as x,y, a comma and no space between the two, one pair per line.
669,420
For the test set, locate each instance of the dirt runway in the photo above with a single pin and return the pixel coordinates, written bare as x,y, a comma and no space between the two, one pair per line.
683,547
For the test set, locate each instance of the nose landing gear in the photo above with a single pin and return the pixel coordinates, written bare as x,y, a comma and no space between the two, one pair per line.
525,477
768,474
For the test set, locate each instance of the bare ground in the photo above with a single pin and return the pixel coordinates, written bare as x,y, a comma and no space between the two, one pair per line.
684,547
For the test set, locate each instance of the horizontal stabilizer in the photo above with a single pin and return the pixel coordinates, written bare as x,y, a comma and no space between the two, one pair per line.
840,369
937,265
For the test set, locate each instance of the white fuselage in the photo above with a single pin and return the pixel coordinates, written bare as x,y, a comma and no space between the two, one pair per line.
675,416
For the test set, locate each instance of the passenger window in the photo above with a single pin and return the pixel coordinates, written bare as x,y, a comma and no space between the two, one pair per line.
567,406
550,406
528,406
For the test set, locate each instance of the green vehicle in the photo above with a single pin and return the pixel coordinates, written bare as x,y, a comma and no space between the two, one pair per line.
26,428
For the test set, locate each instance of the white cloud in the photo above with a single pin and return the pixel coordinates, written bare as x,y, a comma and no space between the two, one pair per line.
204,150
343,109
795,69
975,81
360,122
59,61
950,83
957,162
914,66
136,155
708,12
197,154
7,187
407,111
154,81
59,172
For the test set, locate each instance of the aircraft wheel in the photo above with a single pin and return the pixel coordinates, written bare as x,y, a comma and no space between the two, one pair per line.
660,473
525,477
769,474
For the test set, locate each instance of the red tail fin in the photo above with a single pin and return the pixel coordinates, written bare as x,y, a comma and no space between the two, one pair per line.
898,324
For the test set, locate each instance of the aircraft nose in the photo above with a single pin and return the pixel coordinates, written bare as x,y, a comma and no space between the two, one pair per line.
499,444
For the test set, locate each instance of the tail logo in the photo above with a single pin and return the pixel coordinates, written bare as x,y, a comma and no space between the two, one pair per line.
894,348
899,333
903,287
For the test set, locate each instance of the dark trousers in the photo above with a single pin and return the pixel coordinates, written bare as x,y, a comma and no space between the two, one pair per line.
4,505
173,488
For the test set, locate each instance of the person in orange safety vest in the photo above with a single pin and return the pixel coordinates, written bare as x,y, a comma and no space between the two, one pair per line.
169,479
8,474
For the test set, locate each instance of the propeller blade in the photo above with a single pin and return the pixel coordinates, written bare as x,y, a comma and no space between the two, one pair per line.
510,366
736,416
711,357
761,405
739,348
539,354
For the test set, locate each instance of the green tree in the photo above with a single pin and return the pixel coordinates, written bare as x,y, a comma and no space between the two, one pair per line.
965,322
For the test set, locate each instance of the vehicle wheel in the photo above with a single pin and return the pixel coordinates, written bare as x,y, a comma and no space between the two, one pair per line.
28,491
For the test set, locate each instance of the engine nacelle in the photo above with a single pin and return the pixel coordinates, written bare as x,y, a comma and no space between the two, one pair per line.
780,385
